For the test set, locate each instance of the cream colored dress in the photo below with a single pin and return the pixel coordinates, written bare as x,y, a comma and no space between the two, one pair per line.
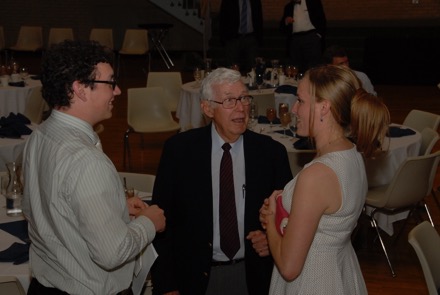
331,266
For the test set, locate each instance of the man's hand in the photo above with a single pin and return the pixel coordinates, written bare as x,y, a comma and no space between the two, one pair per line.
259,242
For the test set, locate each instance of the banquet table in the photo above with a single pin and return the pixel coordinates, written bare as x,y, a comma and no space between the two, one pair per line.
20,271
189,112
380,171
13,99
11,149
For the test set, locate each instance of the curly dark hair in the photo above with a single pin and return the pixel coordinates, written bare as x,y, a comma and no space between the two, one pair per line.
67,62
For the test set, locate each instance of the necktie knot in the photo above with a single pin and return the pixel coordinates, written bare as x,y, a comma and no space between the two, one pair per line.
226,147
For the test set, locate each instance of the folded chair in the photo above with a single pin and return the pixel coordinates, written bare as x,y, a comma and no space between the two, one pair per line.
407,189
426,243
147,112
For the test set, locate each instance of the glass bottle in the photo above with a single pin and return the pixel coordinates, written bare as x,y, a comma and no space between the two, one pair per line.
14,190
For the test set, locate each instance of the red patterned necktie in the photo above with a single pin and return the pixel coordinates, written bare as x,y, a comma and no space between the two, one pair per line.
229,238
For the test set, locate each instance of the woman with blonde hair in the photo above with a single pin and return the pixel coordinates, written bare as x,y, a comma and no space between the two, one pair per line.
311,247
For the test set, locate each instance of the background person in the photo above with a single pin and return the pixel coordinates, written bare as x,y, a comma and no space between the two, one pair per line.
336,55
188,187
241,31
324,201
305,24
83,241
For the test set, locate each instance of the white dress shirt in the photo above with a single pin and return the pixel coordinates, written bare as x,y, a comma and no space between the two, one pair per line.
237,155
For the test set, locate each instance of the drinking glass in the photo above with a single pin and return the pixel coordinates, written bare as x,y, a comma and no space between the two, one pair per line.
24,73
294,71
197,75
259,80
289,71
271,114
293,123
285,119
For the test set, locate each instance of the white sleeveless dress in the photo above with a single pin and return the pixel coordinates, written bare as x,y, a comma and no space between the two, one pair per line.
331,266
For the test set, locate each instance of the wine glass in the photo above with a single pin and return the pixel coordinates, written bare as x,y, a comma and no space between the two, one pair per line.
293,123
24,73
285,119
259,80
197,75
294,71
253,116
271,114
289,71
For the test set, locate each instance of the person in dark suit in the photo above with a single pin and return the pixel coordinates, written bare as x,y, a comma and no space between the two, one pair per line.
305,24
241,31
191,259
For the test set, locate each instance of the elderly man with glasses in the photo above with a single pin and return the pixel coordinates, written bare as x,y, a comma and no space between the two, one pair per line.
211,183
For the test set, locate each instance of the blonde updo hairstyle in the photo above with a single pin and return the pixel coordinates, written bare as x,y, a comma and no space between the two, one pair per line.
363,116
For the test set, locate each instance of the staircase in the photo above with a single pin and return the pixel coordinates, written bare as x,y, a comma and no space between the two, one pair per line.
187,11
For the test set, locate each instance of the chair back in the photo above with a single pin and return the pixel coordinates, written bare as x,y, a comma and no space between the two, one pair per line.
135,42
171,82
412,181
35,106
58,35
426,243
11,286
139,181
147,110
429,139
29,39
264,101
2,39
103,36
419,120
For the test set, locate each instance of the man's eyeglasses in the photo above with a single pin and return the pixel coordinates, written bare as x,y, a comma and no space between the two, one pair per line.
229,103
113,83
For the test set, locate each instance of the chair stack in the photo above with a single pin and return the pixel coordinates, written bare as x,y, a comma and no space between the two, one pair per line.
58,35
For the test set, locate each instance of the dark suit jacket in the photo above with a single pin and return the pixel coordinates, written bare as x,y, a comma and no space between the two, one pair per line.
316,14
229,19
183,188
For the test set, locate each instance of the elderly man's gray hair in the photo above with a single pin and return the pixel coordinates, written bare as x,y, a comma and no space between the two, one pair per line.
218,76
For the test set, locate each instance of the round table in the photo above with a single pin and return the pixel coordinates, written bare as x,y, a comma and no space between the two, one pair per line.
14,99
380,170
20,271
11,149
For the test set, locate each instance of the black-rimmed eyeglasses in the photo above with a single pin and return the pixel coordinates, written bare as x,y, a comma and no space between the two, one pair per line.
231,102
113,83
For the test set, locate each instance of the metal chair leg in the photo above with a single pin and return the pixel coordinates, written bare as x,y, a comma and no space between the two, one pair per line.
127,153
429,214
382,243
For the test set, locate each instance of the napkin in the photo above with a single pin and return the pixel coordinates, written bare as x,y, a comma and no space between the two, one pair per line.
288,132
286,89
18,229
264,120
397,131
17,253
17,84
14,126
303,144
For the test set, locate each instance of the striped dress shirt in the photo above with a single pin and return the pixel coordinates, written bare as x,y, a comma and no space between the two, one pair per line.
83,241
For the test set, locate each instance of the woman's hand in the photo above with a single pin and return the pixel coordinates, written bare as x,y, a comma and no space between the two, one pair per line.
268,209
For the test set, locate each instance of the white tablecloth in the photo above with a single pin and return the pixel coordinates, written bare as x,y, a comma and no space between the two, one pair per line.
190,114
11,149
21,271
379,171
14,99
